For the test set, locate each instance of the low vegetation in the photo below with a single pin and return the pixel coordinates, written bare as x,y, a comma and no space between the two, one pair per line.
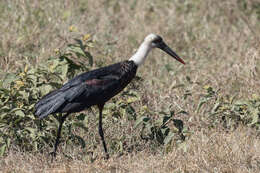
201,117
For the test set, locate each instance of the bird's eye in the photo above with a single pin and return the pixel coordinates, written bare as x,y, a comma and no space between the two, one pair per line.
158,40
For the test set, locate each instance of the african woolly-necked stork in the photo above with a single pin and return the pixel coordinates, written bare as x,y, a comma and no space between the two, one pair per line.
96,87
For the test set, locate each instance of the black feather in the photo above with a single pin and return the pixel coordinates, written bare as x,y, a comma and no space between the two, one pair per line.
87,89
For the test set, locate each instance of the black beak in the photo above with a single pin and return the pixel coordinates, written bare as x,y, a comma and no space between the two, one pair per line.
169,51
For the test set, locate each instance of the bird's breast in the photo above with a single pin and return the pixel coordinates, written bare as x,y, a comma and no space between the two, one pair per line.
128,71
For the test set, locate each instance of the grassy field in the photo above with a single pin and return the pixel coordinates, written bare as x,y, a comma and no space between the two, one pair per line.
216,94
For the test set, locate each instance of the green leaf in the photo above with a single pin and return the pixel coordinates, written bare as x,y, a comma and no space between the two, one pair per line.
2,150
2,115
64,71
30,129
110,106
215,108
81,140
178,124
141,120
8,79
44,89
31,116
19,113
132,99
168,138
241,102
8,142
81,125
201,103
24,94
255,117
81,117
165,130
183,112
166,119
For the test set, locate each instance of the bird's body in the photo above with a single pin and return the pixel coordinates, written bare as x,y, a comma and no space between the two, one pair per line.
96,87
87,89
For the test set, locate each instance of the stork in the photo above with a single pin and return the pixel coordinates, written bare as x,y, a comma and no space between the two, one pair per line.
96,87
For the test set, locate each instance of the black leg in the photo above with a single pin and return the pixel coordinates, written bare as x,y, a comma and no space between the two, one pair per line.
58,136
100,129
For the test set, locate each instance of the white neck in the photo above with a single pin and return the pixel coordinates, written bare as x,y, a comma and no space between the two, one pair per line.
141,54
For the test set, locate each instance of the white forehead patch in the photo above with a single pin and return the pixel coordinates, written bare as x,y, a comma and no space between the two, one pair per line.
151,37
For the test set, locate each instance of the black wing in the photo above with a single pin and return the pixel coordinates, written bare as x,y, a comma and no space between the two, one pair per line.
85,90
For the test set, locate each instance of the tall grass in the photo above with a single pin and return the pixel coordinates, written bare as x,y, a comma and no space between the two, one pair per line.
216,94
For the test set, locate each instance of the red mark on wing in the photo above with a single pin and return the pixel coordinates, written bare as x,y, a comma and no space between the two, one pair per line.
96,82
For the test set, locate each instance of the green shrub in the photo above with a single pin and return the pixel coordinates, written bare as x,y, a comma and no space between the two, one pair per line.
230,111
21,90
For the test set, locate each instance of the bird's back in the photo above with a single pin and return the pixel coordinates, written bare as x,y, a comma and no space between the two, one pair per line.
87,89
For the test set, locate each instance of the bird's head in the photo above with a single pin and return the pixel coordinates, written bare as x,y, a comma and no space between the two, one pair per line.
155,41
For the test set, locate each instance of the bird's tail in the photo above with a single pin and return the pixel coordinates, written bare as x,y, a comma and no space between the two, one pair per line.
50,103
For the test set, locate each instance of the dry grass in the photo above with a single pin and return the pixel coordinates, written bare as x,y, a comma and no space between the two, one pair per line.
218,41
208,151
